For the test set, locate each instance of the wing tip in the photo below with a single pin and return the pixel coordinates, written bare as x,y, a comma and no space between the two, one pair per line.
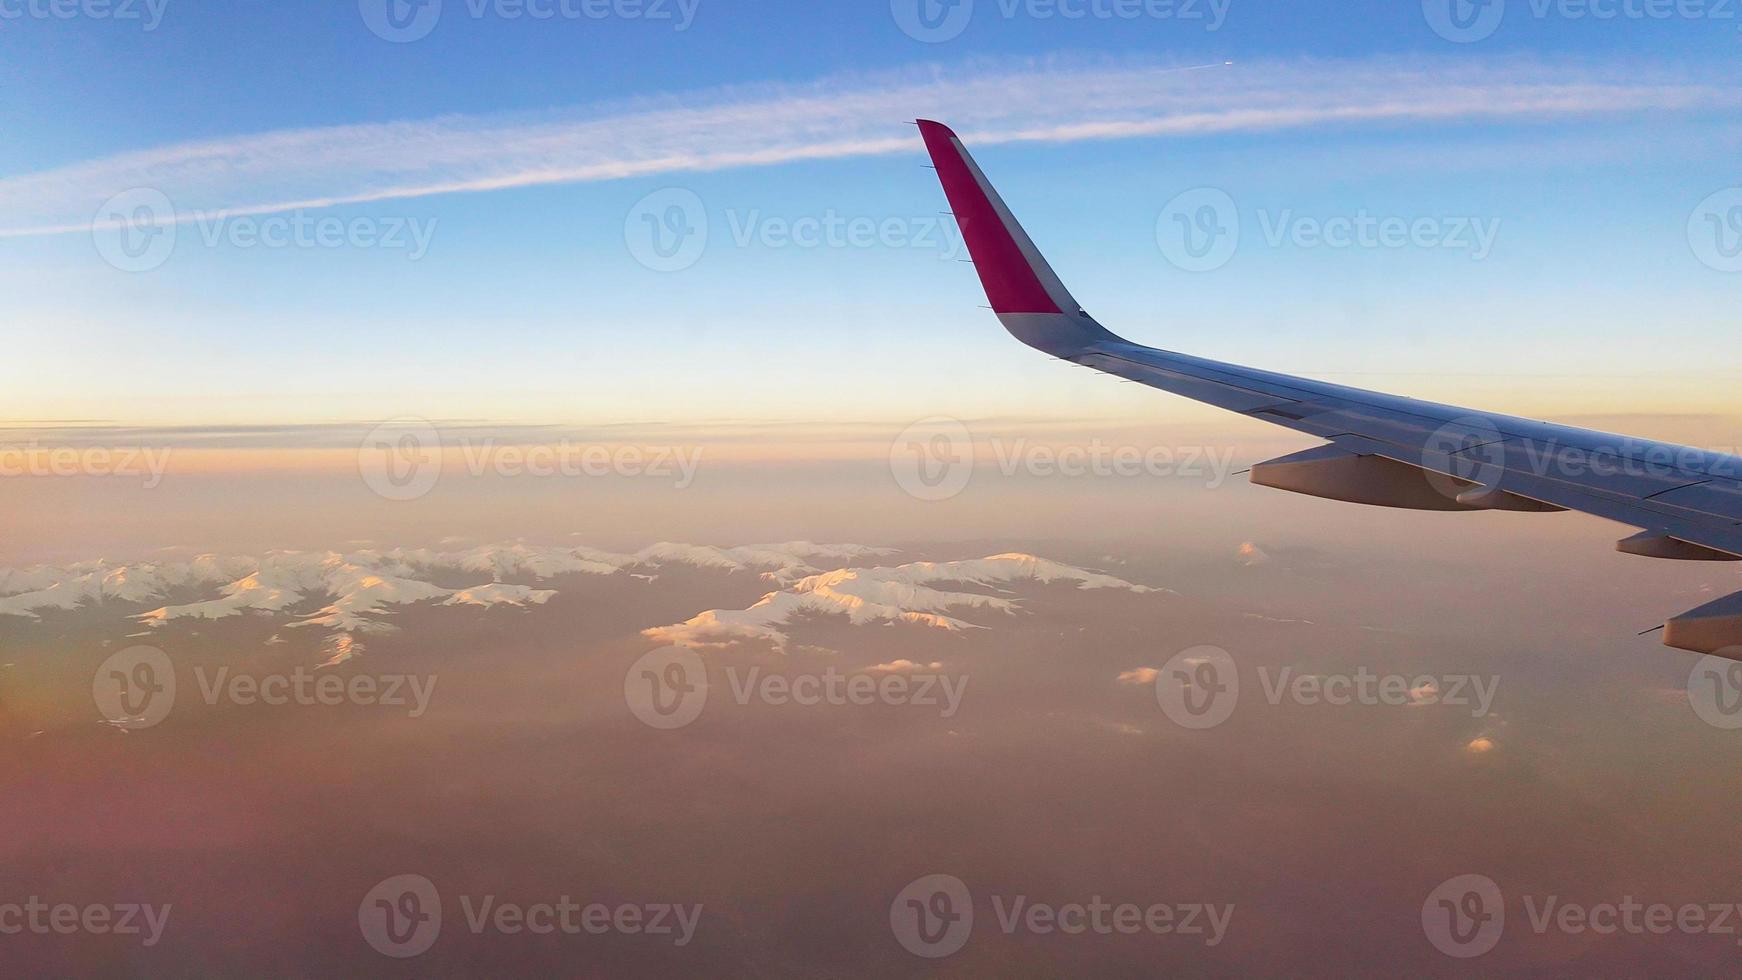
1014,274
931,127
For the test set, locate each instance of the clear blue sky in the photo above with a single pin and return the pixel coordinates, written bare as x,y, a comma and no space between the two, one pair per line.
528,304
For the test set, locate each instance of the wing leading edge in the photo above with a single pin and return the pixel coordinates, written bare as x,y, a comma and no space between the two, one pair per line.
1380,449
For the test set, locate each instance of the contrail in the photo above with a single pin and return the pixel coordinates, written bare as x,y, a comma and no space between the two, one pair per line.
834,118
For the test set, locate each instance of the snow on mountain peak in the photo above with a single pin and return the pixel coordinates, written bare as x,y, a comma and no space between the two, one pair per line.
901,593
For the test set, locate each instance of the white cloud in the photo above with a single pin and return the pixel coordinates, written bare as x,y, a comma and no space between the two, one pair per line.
831,118
1139,675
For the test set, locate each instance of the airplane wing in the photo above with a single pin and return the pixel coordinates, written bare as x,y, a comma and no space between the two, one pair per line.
1383,449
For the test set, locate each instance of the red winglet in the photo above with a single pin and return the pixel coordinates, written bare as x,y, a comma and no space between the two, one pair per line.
1006,271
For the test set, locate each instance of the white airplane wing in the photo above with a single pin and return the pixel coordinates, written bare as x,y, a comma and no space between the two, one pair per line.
1383,449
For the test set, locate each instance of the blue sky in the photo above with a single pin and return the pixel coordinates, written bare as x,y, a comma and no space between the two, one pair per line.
1587,144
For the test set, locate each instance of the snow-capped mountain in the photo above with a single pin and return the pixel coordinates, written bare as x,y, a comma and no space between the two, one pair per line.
883,594
360,588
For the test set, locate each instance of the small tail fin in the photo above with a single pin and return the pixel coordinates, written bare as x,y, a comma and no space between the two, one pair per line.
1024,291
